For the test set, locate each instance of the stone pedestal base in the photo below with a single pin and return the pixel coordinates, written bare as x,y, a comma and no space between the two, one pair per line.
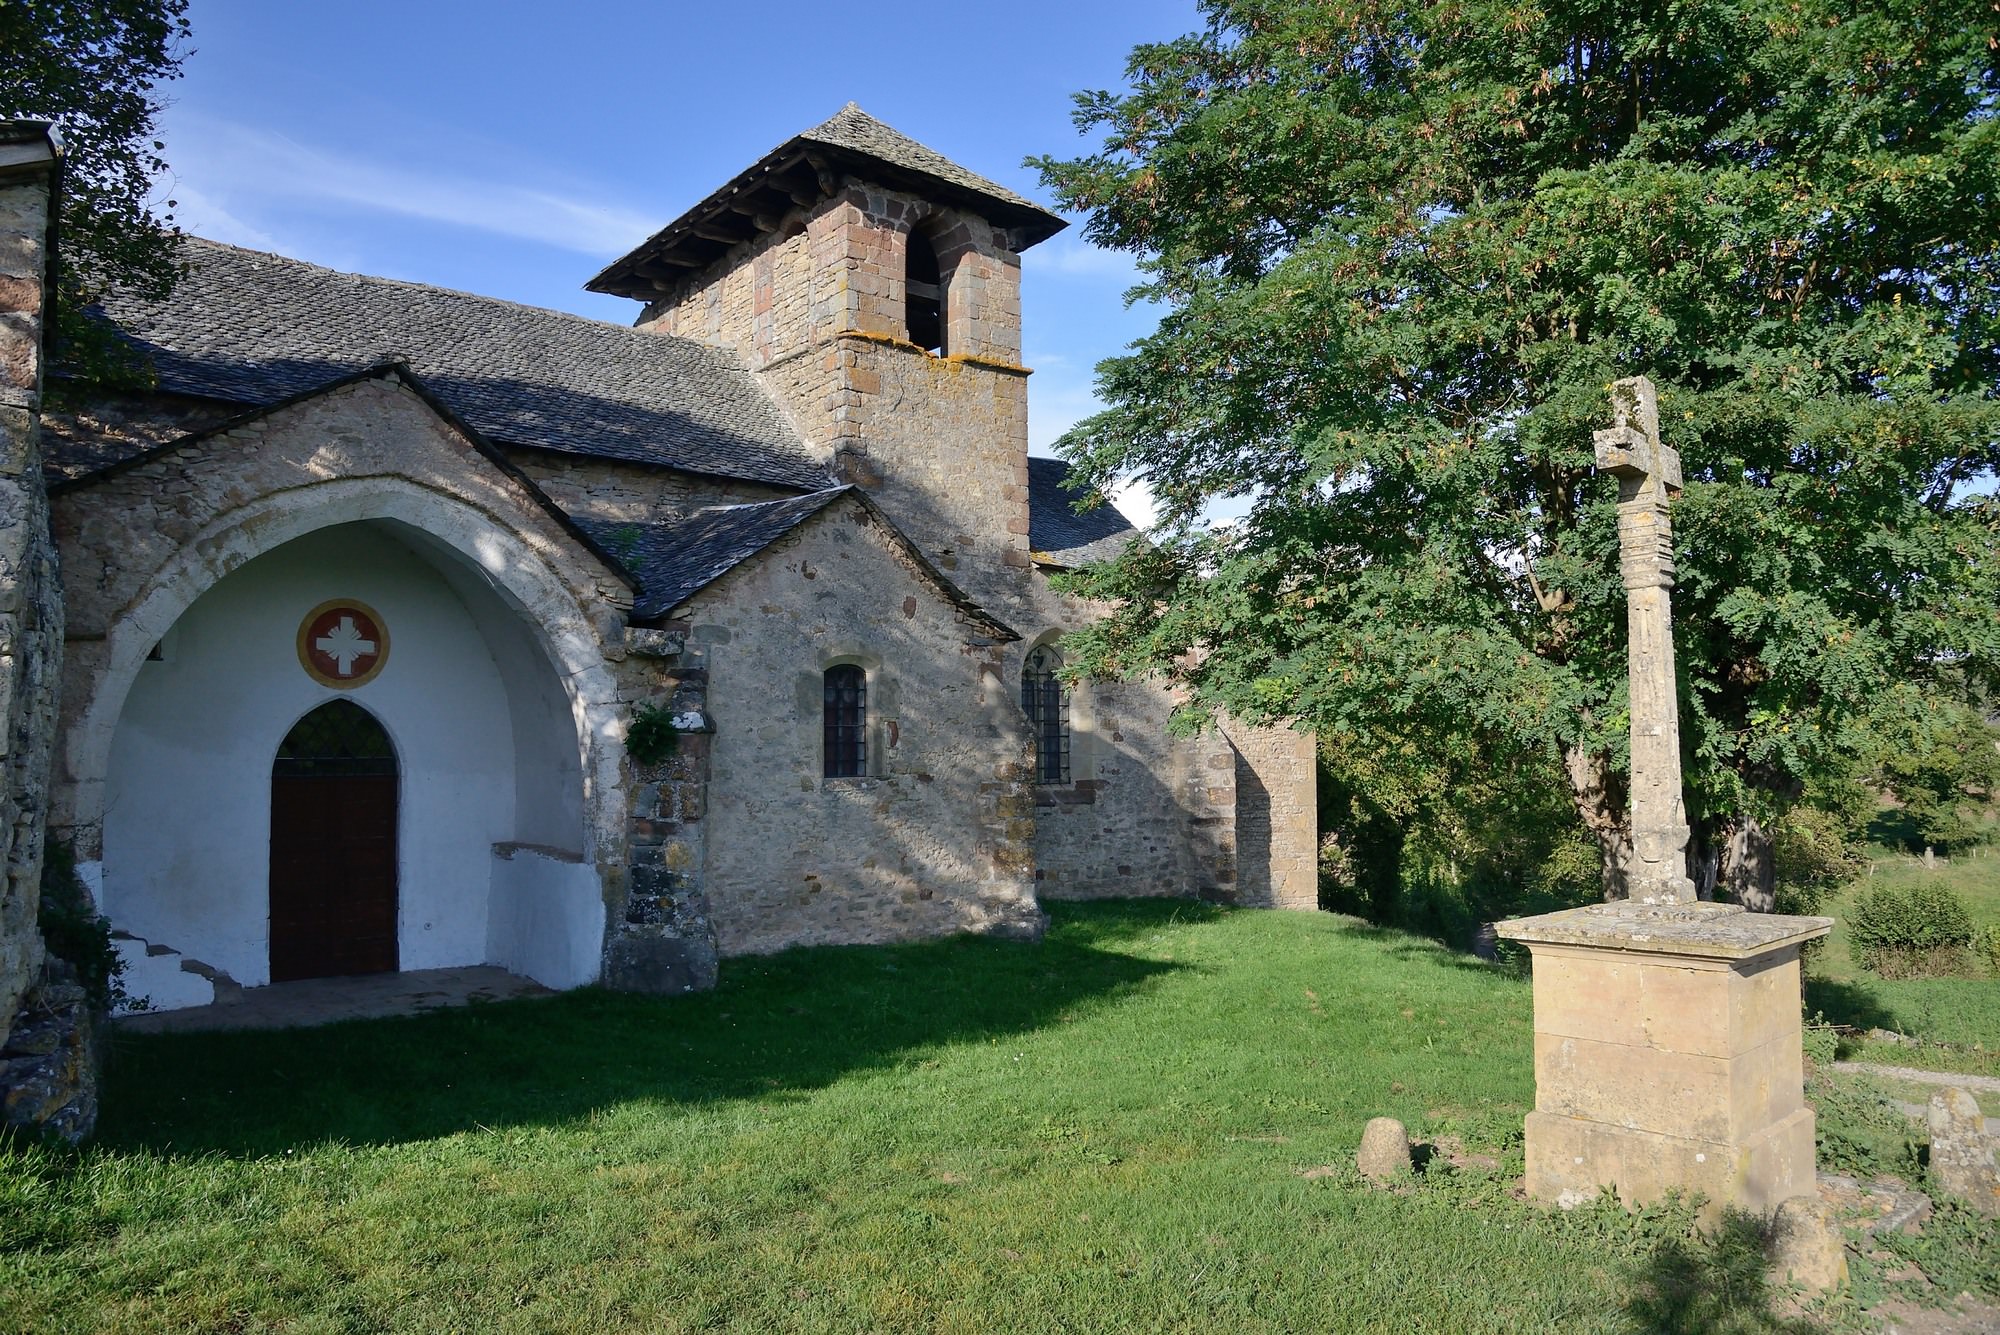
1570,1160
1667,1055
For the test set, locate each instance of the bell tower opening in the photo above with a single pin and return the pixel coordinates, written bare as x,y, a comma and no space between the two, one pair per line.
924,294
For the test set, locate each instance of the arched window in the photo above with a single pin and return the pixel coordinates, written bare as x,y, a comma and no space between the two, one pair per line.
846,716
1046,699
923,288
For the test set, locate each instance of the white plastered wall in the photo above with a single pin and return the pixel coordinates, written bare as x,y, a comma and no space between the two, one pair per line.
486,746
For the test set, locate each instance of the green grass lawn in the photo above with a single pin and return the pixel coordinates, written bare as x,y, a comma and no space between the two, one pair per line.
1145,1122
1958,1019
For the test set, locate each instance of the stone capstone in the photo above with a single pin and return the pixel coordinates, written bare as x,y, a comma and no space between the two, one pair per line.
1385,1150
1962,1158
1806,1247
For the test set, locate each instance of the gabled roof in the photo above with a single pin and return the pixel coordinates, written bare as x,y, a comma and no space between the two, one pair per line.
677,560
396,373
800,172
252,329
1057,534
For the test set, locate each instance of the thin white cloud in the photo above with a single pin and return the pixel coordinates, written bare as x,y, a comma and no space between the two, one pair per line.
1135,500
194,211
242,170
1070,257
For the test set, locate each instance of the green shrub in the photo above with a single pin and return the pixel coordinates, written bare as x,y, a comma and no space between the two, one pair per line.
652,737
1905,931
76,933
1815,855
1986,947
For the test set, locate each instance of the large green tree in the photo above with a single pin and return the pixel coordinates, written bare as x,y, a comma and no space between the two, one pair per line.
1401,252
95,67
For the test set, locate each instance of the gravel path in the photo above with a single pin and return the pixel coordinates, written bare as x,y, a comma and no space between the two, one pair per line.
1978,1084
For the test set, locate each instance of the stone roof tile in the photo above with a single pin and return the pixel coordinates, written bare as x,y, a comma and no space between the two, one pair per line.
1057,534
253,329
856,131
675,561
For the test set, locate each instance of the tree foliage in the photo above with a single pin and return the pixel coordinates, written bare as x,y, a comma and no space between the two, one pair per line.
95,68
1943,764
1403,250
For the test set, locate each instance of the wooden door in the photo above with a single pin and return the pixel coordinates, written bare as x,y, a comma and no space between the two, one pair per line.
333,847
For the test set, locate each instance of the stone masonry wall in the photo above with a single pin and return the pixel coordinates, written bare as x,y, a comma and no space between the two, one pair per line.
1146,813
938,837
664,941
838,268
1277,816
940,441
31,618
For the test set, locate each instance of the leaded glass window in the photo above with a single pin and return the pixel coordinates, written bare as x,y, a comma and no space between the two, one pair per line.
1046,700
846,715
338,739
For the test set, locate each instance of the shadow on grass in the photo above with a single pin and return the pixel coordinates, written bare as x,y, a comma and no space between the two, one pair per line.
1892,828
1844,1002
1713,1284
775,1027
1407,945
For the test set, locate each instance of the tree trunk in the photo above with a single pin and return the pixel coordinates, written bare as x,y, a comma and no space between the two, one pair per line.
1749,871
1704,856
1378,865
1599,796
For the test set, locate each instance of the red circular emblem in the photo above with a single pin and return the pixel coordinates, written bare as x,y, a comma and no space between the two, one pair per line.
343,644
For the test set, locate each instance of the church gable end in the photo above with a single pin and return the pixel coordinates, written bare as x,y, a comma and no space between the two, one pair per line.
931,829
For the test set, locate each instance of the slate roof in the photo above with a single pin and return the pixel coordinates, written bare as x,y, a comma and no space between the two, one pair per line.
253,329
676,561
855,130
788,175
673,562
1057,534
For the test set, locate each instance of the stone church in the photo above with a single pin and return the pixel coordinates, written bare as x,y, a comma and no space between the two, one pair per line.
397,628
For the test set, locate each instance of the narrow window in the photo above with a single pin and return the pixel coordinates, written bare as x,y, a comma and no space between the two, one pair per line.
846,713
1046,699
924,291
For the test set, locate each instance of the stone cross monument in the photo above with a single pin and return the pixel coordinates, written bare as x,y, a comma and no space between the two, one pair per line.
1649,477
1667,1031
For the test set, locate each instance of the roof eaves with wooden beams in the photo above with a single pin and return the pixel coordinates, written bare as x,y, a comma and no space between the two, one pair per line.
800,173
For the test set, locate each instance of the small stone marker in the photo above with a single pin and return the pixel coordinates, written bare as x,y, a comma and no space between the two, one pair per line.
1668,1049
1961,1152
1385,1150
1806,1245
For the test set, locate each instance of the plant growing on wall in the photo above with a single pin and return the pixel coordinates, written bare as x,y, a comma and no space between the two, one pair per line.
77,934
651,737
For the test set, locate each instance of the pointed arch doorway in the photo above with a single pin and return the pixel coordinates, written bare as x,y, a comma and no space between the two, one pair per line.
333,846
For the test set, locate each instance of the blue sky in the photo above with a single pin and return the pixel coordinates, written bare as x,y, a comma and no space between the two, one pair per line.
510,148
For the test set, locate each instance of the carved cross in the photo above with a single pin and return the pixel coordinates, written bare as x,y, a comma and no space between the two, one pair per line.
1630,447
1649,476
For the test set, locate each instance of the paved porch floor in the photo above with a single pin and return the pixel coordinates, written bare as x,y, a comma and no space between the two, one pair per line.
324,1000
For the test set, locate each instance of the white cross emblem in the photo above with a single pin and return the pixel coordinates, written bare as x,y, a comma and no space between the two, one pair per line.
343,644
